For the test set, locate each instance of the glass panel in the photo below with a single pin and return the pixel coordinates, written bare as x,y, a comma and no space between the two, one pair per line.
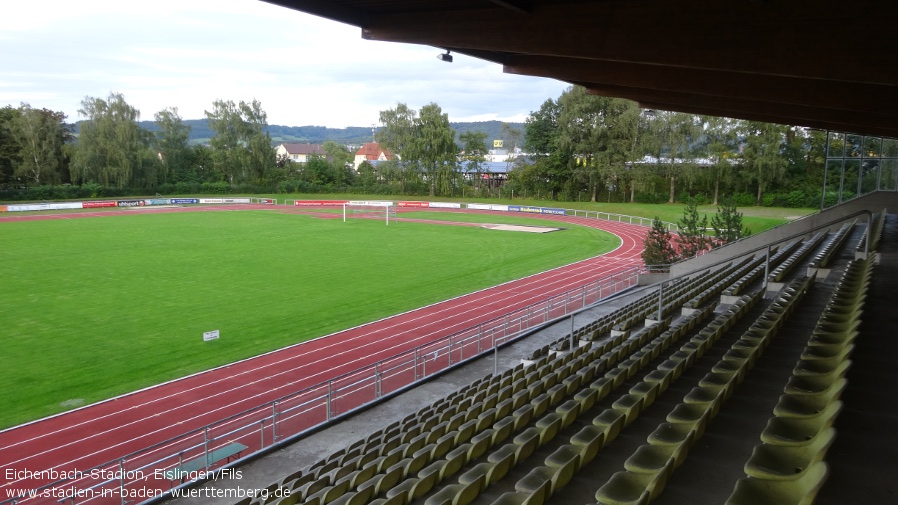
869,176
836,145
872,147
833,181
854,146
890,148
850,179
889,175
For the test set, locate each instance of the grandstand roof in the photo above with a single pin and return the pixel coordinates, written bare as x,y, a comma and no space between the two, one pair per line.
820,64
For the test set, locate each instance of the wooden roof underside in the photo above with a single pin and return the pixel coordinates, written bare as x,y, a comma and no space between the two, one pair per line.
816,63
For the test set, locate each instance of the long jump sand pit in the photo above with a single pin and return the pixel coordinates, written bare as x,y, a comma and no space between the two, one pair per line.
523,228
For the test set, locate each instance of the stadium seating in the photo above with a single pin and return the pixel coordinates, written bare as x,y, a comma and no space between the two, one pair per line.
547,421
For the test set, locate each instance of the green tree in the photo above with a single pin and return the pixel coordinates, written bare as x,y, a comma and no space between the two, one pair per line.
241,147
552,164
174,151
727,224
692,238
202,164
474,151
601,132
40,135
260,154
658,249
111,144
671,136
367,177
396,135
720,145
434,149
9,151
762,154
341,161
228,147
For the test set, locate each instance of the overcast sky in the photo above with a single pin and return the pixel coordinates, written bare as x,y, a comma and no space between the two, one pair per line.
187,53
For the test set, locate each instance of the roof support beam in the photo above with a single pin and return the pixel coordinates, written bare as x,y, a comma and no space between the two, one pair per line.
751,110
761,37
849,97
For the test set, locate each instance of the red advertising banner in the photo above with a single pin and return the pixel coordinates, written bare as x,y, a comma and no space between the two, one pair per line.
414,204
2,208
318,203
97,204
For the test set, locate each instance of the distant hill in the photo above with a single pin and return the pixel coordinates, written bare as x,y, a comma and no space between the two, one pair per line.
200,132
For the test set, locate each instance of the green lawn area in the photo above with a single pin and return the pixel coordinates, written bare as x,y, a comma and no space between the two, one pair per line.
97,307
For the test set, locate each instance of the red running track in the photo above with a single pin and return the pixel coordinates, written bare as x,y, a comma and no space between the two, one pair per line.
103,432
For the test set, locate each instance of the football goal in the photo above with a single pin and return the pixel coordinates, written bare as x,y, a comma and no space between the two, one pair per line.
370,210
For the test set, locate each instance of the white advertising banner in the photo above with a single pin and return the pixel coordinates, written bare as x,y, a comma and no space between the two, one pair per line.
210,335
445,205
29,207
373,203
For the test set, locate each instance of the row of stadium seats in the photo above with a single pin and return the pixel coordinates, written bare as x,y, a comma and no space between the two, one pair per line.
825,255
792,261
482,432
777,256
338,474
649,468
742,268
876,230
788,466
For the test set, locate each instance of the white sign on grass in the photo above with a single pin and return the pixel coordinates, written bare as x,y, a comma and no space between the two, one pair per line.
210,335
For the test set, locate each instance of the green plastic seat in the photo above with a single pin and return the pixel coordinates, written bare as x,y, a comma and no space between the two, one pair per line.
675,434
630,405
647,390
549,426
808,405
813,384
795,431
650,458
630,488
611,422
781,462
800,491
589,440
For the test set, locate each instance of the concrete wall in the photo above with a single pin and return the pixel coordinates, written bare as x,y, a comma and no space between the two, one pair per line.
874,202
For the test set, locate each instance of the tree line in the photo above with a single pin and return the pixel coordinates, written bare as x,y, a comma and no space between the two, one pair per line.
579,147
597,148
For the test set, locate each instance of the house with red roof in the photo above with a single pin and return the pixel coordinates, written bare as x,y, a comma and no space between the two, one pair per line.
372,151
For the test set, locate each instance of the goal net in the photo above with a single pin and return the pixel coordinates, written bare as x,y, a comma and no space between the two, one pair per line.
384,211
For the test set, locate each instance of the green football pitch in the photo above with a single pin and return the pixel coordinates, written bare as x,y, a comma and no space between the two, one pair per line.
96,307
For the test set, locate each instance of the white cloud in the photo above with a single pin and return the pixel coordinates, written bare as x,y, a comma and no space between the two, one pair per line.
186,54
